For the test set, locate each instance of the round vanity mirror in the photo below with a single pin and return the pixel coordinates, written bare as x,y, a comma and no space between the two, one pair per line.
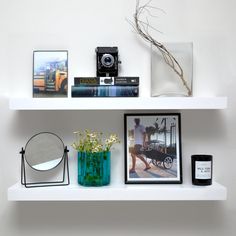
44,151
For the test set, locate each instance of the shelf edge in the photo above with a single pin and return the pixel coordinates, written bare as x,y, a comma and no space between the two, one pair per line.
215,192
145,103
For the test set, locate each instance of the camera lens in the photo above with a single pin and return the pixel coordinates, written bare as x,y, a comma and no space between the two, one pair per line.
107,60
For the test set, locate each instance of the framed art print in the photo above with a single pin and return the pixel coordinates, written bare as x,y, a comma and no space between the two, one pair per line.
50,73
153,148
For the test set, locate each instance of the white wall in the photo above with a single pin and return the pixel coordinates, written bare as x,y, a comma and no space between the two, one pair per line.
80,26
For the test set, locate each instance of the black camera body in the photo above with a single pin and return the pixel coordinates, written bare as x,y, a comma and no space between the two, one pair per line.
107,61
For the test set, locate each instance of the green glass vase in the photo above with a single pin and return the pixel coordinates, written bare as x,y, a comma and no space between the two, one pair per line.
94,168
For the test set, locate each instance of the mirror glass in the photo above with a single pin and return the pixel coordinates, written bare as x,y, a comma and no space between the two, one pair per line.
44,151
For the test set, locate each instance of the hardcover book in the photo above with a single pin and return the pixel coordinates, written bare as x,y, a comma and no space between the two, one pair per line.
108,81
104,91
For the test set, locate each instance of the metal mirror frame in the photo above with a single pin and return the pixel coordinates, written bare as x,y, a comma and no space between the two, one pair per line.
61,158
65,175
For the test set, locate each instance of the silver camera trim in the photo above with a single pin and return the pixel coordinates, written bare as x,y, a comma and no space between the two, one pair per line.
104,56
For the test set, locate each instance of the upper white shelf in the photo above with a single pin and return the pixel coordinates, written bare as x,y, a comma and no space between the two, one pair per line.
140,103
74,192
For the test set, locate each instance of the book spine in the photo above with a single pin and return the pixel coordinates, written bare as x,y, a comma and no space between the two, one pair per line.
106,81
104,91
90,81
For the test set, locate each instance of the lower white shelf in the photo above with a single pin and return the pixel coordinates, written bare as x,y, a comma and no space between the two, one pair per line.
74,192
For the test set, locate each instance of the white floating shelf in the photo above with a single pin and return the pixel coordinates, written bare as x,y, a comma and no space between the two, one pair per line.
74,192
140,103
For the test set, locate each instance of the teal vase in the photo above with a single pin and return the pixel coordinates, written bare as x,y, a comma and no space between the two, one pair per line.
94,168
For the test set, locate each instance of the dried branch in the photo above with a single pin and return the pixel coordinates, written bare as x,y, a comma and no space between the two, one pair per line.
142,29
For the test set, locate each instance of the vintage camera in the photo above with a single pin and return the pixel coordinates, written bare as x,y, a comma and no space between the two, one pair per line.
107,61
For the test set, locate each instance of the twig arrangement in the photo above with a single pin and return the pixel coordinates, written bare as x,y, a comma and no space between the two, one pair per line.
142,28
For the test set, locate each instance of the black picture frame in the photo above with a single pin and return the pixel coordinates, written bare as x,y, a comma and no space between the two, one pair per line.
157,158
50,73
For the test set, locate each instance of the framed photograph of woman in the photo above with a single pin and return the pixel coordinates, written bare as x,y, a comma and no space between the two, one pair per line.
153,148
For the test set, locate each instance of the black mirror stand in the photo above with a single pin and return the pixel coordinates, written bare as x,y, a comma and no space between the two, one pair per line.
65,181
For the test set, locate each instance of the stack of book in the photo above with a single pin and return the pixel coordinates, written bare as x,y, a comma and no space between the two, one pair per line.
105,87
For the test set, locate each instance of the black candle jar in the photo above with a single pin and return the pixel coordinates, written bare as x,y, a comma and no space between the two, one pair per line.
201,169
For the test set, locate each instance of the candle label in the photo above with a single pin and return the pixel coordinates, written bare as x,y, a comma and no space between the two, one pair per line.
203,170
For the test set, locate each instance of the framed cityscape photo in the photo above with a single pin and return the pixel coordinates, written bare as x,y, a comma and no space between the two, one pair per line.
50,73
153,148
